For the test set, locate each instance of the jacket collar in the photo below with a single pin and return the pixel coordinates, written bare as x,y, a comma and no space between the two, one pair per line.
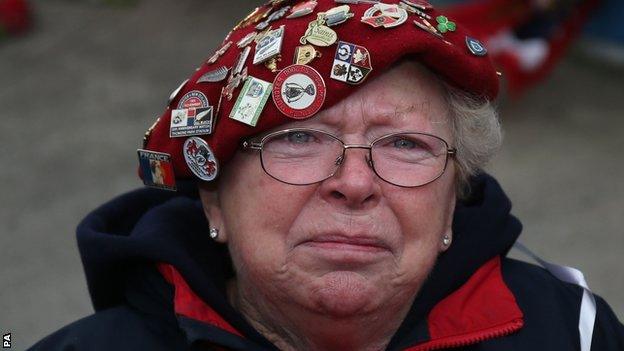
482,308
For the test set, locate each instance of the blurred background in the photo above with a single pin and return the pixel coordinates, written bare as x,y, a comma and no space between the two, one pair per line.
80,81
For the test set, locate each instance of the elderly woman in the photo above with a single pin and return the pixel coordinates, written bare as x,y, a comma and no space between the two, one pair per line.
339,214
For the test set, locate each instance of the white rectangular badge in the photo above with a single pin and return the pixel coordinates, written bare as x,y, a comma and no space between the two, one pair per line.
270,45
191,121
251,101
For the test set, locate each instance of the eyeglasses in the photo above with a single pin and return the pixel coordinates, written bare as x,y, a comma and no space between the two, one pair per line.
302,156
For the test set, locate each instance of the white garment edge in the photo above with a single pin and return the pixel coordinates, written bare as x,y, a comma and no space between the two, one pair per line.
587,316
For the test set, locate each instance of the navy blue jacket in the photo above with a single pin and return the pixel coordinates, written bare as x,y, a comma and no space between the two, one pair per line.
157,282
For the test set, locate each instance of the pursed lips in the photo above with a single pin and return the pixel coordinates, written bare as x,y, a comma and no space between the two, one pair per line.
342,242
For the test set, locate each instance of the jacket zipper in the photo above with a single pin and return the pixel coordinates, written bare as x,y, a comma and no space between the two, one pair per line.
469,339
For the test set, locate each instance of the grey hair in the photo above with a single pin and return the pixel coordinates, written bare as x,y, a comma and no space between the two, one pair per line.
477,134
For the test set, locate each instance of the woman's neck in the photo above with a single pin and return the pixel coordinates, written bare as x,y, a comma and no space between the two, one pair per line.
291,328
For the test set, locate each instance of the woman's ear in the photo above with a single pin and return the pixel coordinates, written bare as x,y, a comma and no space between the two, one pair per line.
212,210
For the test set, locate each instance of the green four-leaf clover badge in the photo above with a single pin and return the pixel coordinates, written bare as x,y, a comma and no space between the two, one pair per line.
444,25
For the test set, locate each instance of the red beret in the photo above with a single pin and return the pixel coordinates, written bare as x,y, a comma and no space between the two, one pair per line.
352,45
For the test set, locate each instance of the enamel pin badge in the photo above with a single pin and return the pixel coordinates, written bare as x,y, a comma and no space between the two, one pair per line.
216,75
318,33
336,15
194,116
175,93
302,9
352,63
251,101
273,17
305,54
414,10
219,53
191,121
157,169
269,46
246,40
193,99
200,159
238,74
419,4
475,47
385,15
299,91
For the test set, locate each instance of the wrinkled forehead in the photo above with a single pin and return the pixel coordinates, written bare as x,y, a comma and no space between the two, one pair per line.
408,97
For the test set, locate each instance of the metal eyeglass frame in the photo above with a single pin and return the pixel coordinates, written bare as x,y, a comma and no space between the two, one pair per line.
249,144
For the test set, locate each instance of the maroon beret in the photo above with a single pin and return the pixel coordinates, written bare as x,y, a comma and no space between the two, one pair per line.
341,46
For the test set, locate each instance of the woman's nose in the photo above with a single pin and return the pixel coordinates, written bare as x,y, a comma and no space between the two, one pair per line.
354,184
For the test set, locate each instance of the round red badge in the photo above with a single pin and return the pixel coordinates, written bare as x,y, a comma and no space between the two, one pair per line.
299,91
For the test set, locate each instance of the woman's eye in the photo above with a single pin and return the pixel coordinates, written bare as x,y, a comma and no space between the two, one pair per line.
404,144
299,137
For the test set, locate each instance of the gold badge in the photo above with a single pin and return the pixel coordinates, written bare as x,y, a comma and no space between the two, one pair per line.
253,17
305,54
319,34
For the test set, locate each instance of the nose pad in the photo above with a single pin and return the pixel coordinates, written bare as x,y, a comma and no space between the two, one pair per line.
339,160
370,162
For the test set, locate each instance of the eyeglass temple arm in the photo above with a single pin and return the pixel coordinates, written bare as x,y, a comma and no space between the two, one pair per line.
247,144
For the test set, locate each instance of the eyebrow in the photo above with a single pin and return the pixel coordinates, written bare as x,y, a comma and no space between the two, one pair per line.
422,109
377,121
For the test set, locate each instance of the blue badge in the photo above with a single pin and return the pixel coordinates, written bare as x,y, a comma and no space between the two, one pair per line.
475,47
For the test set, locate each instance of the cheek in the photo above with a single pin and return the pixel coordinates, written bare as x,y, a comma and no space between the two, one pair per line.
424,215
258,214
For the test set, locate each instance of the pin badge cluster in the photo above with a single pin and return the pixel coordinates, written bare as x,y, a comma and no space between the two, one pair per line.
157,169
298,91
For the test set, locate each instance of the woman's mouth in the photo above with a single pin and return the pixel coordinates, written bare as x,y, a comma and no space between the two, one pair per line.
346,248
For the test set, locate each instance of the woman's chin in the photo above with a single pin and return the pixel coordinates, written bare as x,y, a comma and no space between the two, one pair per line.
344,294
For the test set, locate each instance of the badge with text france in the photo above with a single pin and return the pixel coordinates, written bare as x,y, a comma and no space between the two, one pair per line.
251,101
352,63
157,169
200,159
192,117
299,91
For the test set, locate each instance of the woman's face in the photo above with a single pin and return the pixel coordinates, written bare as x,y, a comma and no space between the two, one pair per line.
352,244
